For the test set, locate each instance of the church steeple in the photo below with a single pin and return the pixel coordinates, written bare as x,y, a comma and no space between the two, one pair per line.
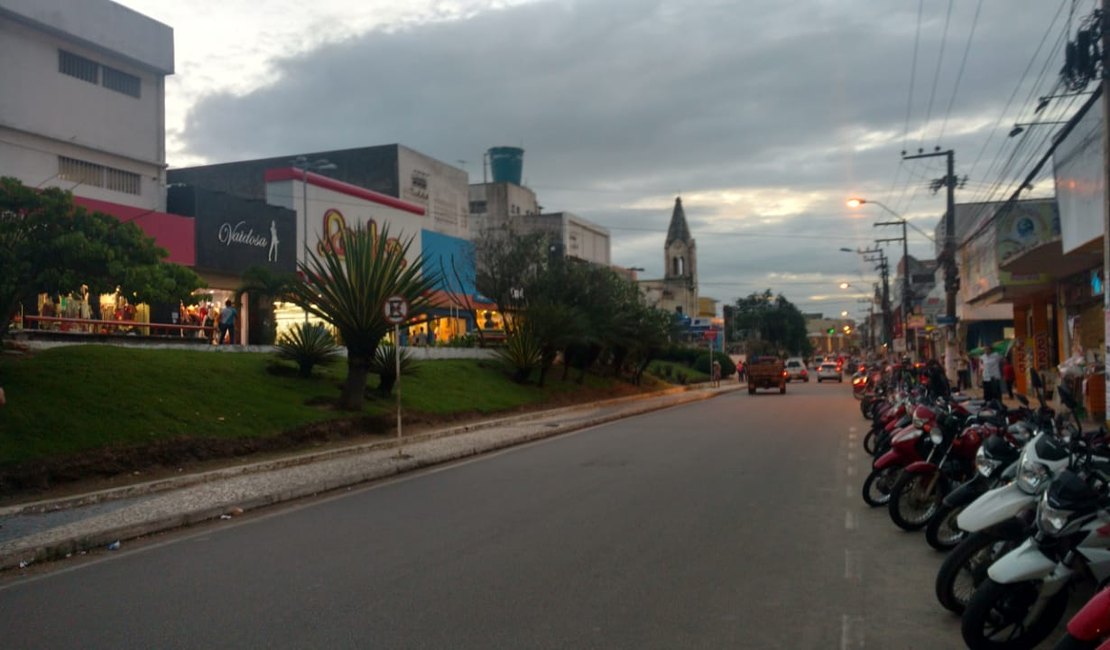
680,251
678,230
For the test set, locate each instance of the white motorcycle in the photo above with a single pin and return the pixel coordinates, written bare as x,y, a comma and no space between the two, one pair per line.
1026,592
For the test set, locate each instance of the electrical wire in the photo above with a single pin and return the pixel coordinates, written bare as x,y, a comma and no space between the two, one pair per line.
936,74
960,74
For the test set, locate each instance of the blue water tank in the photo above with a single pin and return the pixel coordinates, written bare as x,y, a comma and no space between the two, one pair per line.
506,164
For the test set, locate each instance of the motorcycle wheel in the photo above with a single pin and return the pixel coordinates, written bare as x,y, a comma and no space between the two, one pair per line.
965,568
865,406
869,442
942,533
999,617
1069,642
877,485
910,507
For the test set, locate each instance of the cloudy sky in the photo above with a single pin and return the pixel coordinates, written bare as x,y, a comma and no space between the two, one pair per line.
763,115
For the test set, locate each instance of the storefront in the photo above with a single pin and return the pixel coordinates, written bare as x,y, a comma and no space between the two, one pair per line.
232,236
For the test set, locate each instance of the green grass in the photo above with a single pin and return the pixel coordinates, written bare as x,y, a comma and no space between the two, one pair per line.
68,399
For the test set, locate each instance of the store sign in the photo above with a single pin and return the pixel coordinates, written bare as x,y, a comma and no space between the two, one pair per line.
233,243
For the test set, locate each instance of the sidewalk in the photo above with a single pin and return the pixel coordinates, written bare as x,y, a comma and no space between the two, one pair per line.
47,530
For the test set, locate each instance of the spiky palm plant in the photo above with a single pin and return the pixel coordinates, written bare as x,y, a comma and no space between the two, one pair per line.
347,284
308,345
385,366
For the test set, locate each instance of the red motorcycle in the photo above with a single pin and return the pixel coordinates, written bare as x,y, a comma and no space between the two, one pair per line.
921,488
908,445
1089,629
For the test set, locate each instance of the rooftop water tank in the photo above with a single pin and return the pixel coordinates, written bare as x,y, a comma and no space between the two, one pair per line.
506,164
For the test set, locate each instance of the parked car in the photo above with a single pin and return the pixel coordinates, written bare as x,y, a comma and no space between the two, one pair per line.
796,370
829,370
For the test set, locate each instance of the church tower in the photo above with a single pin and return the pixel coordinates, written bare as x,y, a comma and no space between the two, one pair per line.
680,277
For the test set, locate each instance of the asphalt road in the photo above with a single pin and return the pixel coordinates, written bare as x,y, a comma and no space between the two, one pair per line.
731,523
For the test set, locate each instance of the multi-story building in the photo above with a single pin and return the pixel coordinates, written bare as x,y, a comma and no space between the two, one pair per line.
89,113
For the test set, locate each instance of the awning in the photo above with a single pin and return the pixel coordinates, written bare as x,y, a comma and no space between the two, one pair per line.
1049,257
173,232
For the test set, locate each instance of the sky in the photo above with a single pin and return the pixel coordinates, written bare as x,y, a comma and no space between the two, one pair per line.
764,116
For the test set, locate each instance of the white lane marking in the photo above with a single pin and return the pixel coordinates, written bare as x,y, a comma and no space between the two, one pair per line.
852,565
851,455
851,470
851,632
849,491
851,521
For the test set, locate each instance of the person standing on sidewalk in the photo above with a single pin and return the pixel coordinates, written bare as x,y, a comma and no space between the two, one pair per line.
992,374
716,373
1008,376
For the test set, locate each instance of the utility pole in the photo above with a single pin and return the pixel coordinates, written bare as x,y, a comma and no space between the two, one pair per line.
888,338
1106,191
905,282
948,257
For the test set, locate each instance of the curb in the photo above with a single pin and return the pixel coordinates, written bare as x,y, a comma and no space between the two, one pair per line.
75,542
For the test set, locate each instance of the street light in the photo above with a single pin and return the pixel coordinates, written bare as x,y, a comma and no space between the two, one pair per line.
302,163
901,221
1019,127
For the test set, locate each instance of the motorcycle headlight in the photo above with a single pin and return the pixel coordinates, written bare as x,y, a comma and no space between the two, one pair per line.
984,464
1032,476
1049,519
936,436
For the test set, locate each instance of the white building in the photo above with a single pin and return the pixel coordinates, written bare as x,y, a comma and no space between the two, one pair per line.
83,101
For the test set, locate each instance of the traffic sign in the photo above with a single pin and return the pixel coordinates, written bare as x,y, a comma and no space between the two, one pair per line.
396,309
946,320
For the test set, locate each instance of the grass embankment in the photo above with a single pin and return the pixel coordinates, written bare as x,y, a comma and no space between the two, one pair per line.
673,372
75,400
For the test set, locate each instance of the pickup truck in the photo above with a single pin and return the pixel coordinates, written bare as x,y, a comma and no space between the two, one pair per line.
766,372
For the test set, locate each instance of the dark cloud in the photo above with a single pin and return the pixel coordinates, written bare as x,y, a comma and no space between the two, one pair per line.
623,101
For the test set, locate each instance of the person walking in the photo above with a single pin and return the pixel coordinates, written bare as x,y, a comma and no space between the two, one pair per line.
716,373
963,373
227,322
991,363
1008,376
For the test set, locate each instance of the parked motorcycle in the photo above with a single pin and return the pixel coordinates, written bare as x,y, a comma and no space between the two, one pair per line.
1026,591
1089,629
908,445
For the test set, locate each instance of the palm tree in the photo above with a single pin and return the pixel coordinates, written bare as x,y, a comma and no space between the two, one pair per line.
347,286
264,287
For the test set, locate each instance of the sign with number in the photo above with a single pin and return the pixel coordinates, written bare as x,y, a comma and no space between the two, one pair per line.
396,309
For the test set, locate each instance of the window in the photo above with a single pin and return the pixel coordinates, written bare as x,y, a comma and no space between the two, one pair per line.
92,72
121,82
79,171
86,173
121,181
78,66
477,207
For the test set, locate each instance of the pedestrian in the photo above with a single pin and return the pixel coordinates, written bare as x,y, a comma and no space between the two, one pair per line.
227,322
740,371
716,373
1008,376
991,363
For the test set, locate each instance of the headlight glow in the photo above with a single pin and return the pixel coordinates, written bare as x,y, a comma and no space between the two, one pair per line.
1032,476
984,464
1049,519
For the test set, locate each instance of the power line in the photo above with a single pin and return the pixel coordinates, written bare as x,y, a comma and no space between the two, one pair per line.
960,74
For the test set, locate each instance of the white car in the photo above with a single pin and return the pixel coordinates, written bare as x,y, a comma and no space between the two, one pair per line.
796,370
829,371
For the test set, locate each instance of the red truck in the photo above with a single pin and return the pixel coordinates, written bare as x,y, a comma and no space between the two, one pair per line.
766,372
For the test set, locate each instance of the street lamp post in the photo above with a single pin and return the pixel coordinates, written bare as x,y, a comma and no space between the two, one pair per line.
302,163
901,221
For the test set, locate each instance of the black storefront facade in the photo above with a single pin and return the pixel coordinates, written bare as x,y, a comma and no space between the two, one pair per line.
234,235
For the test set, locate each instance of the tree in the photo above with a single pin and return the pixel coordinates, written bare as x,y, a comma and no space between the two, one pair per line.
506,263
769,324
347,286
50,245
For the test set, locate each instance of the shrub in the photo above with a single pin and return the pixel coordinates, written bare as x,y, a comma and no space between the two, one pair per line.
384,366
308,345
521,352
